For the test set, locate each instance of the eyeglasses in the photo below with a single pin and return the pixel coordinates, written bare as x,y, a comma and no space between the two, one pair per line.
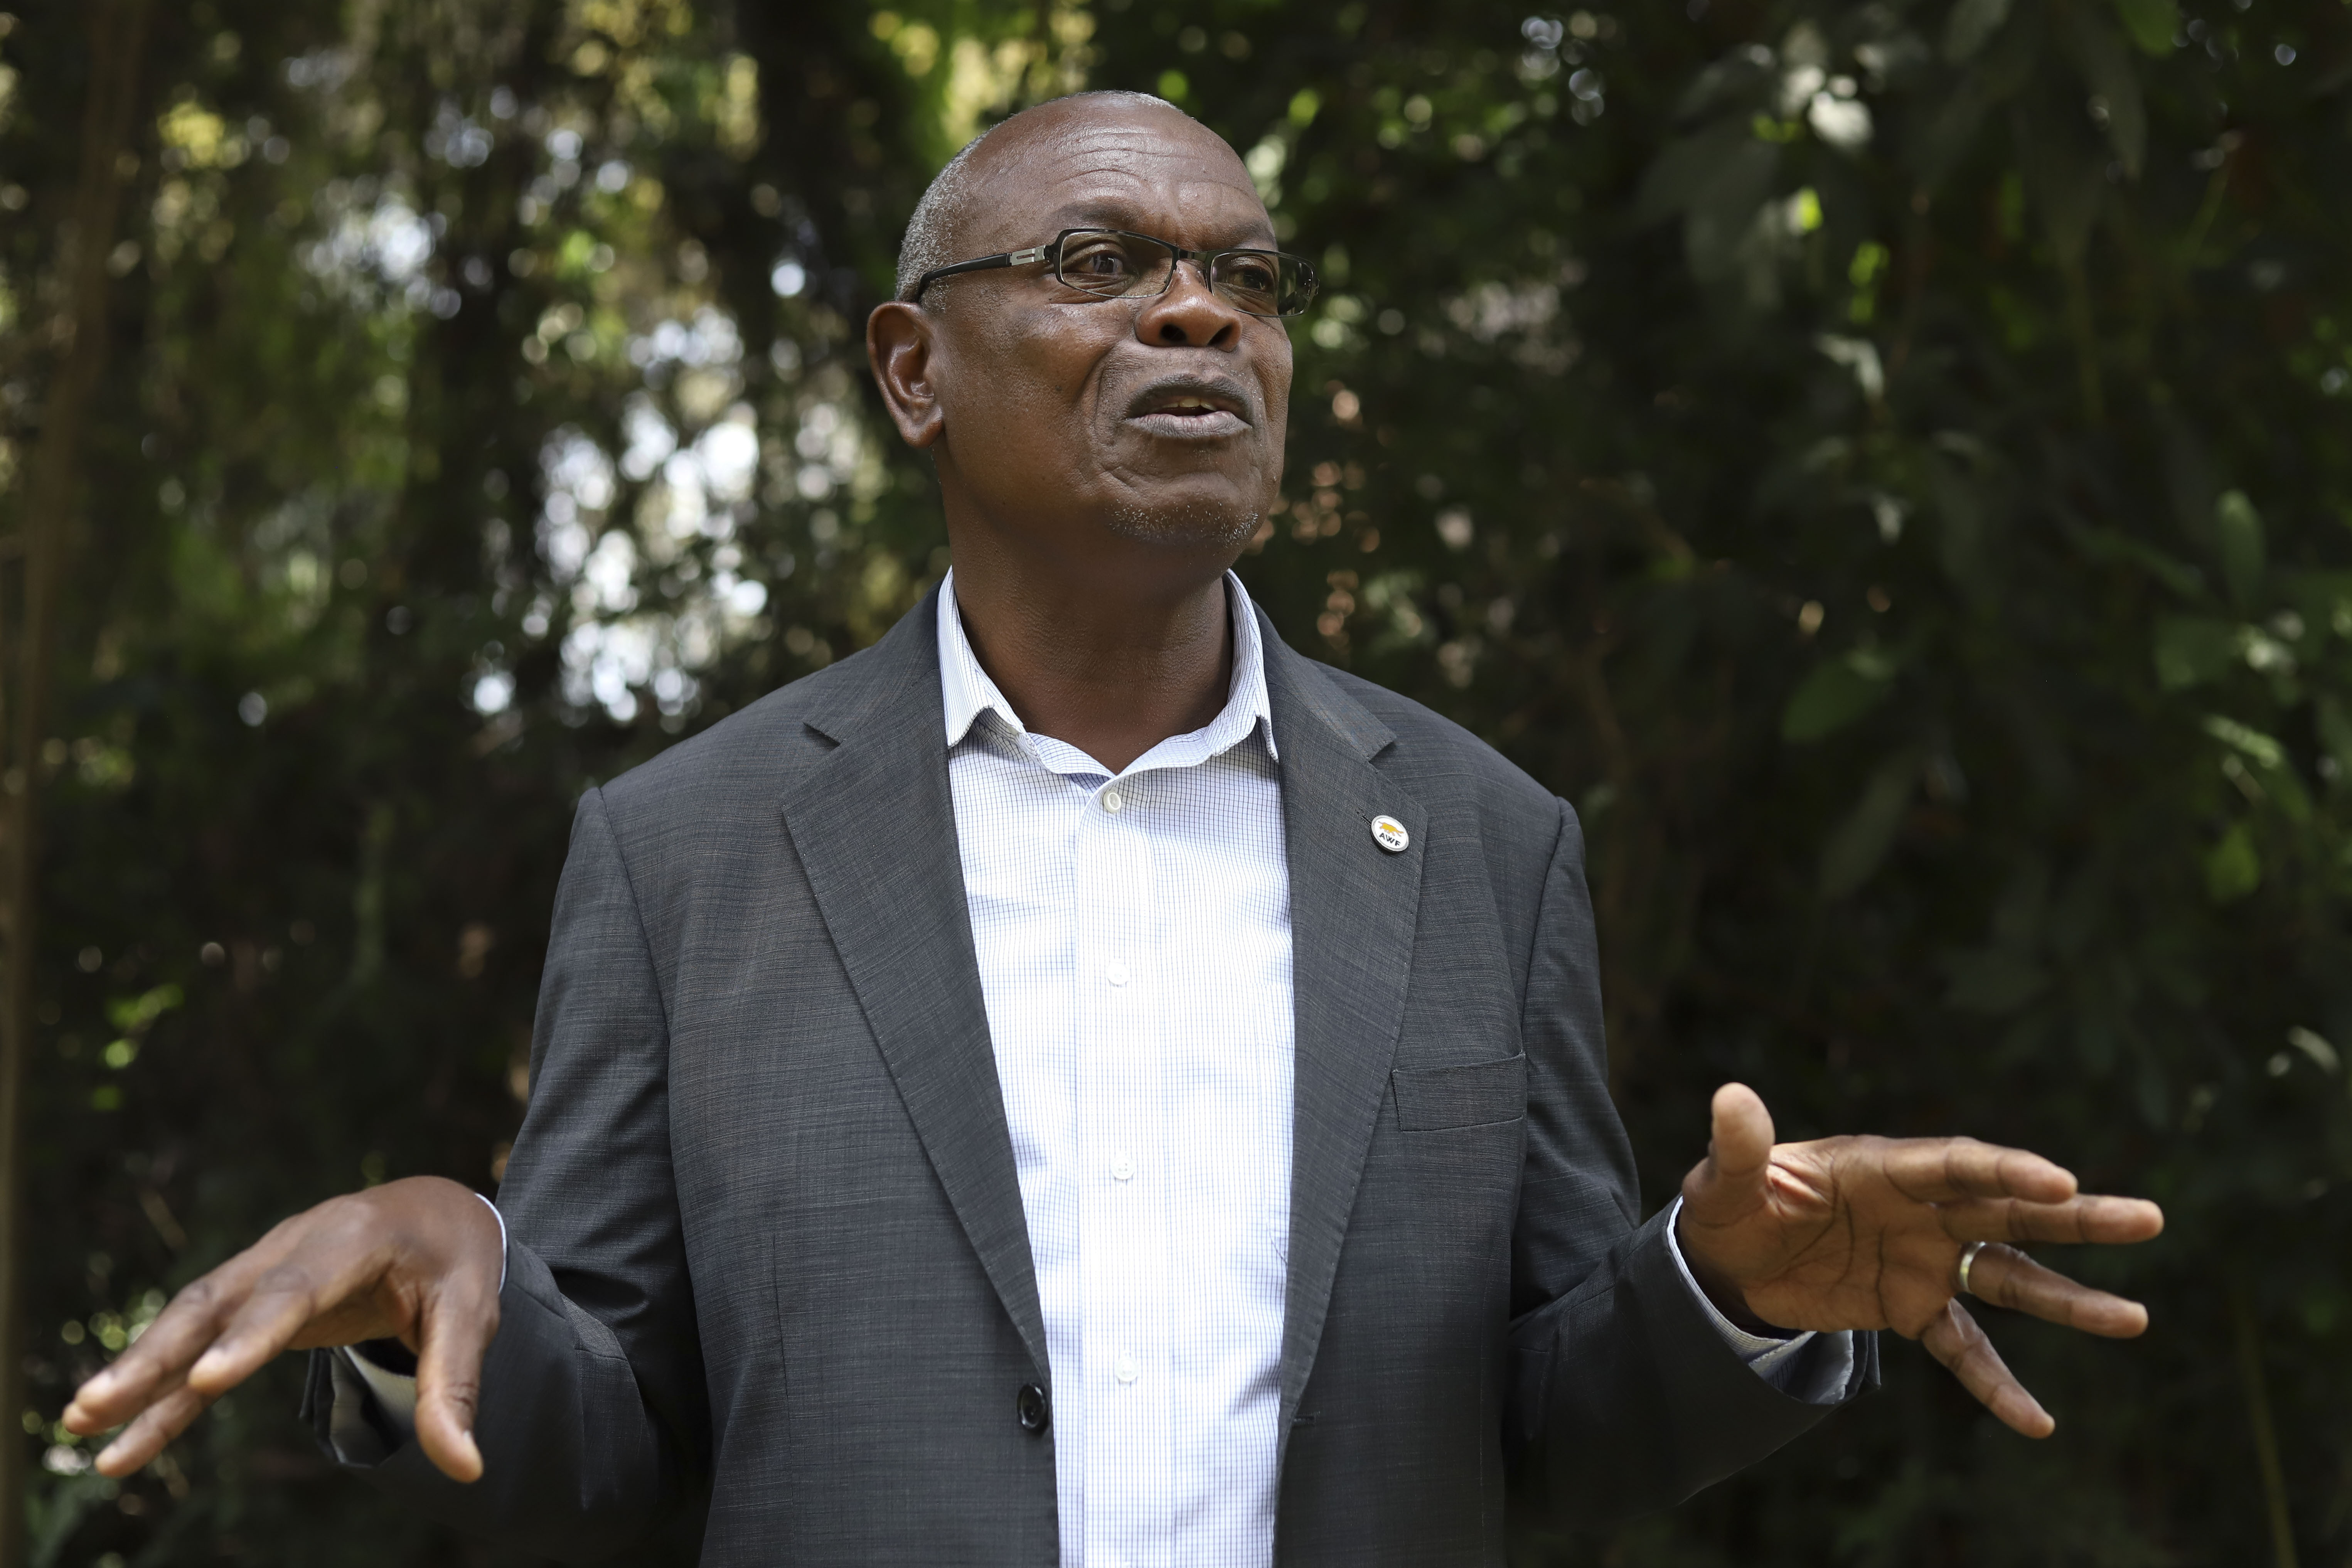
1111,264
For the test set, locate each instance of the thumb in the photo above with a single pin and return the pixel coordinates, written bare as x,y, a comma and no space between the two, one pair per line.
453,1331
1740,1150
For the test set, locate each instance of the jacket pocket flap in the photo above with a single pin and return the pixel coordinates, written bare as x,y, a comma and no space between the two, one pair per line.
1432,1098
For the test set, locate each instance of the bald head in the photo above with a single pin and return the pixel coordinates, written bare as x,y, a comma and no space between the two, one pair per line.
937,234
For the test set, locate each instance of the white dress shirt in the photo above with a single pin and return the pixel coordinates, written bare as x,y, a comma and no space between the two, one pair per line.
1134,938
1134,942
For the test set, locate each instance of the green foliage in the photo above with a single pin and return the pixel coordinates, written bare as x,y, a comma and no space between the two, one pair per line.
1838,691
1882,462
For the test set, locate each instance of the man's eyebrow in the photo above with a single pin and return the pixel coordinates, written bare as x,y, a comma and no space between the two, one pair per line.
1102,215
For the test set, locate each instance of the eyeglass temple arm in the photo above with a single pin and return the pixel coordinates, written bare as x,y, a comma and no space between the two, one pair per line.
983,264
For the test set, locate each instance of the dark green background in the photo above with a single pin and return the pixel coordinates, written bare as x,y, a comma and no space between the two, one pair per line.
1925,558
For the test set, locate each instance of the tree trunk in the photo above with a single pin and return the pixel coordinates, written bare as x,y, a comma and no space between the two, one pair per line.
28,643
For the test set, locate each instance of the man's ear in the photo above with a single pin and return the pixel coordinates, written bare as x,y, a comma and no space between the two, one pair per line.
900,345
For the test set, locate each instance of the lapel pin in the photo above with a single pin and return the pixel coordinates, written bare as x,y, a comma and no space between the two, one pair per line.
1390,834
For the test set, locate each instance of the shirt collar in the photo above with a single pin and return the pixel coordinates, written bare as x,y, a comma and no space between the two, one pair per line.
967,692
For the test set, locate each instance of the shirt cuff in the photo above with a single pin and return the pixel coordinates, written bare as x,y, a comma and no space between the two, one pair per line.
502,1240
1781,1360
395,1392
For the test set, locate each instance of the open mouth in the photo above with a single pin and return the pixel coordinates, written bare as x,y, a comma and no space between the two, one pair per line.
1190,409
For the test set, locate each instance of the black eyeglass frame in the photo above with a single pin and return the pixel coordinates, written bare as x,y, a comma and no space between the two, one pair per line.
1206,260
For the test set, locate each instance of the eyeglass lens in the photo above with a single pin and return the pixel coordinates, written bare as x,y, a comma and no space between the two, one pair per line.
1112,265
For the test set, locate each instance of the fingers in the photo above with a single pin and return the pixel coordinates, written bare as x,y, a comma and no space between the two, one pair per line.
1738,1149
157,1362
1946,1170
1742,1141
458,1323
185,1332
280,1301
157,1425
1730,1181
2007,1278
218,1331
2108,1221
353,1269
1954,1339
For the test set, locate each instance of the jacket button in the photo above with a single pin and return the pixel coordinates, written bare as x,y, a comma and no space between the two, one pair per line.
1030,1406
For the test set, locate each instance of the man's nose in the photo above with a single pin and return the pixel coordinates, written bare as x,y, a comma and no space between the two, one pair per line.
1190,314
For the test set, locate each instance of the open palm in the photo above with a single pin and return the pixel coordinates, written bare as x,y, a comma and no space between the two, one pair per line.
1868,1233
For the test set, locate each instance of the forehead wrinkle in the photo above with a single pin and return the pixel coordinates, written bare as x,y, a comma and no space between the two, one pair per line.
1125,197
1067,148
1090,163
1203,150
1043,145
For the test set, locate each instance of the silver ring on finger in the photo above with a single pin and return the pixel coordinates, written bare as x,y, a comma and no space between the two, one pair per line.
1968,1261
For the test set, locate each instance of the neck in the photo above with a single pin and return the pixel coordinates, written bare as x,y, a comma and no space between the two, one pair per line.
1112,670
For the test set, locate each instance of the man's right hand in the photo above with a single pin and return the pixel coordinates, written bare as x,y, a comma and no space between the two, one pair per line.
418,1261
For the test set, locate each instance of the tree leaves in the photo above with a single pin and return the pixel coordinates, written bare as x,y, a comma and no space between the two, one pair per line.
1718,182
1996,980
2274,776
1859,845
2031,825
2191,650
2066,170
2334,724
2152,24
1971,23
2108,70
1838,692
2239,541
2233,867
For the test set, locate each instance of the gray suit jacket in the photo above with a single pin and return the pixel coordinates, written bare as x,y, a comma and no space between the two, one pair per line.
768,1256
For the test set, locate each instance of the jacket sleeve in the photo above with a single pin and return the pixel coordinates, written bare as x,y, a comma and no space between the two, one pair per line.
1623,1396
593,1423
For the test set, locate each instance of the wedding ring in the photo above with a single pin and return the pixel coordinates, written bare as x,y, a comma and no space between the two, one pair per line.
1967,1260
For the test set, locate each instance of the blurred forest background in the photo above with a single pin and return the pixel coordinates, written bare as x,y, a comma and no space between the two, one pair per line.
1885,463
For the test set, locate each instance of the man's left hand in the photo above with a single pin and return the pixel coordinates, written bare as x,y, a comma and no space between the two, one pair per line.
1868,1233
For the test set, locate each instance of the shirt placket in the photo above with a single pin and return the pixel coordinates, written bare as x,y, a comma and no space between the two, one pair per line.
1123,1231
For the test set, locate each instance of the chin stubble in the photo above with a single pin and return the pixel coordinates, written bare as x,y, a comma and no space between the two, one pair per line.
1193,525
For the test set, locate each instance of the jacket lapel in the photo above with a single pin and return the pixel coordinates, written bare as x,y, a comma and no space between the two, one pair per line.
1352,911
874,824
889,886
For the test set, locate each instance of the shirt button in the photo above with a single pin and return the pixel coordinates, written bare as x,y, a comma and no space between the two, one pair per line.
1113,800
1116,975
1122,1168
1127,1371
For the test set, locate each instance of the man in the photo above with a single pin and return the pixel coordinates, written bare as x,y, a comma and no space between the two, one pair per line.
1079,1081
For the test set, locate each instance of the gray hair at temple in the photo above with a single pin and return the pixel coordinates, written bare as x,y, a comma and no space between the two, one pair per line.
932,233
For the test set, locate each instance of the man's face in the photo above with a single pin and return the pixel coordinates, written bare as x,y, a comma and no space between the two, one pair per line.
1088,427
